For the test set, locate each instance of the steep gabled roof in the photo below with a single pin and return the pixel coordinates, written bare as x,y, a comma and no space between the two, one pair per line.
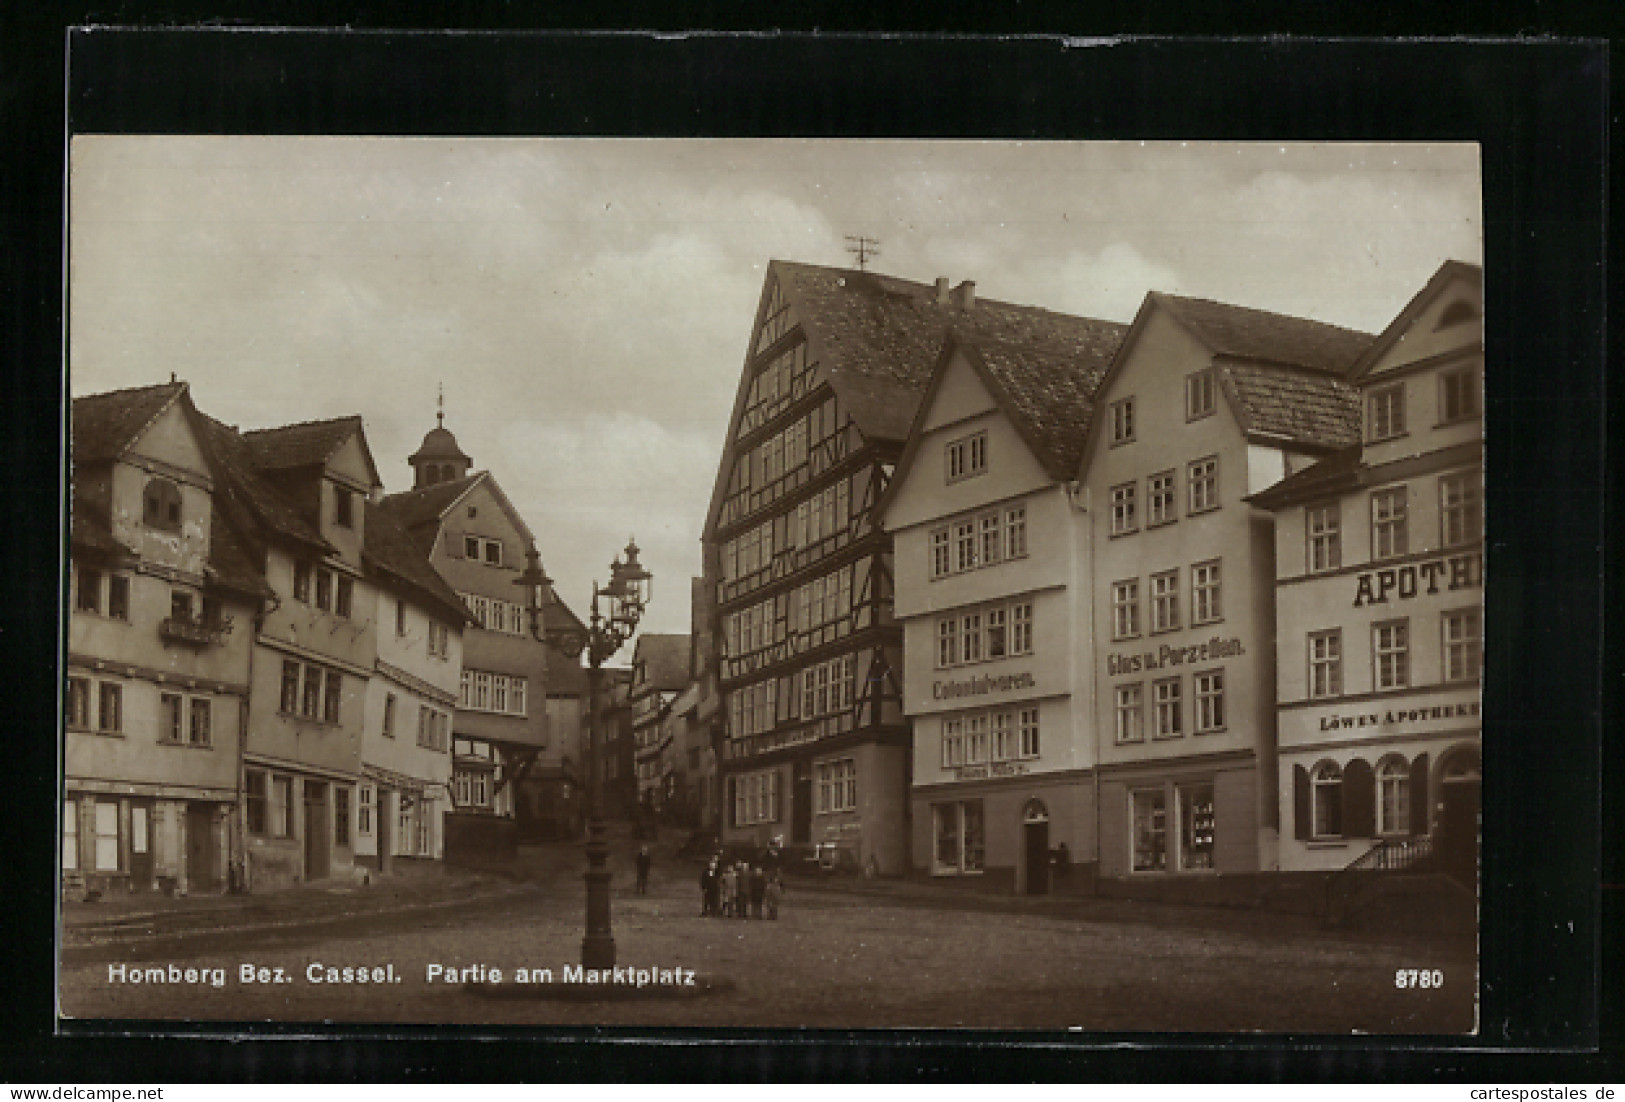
231,563
389,552
1048,392
1448,272
419,511
1264,337
105,425
246,498
878,338
665,661
306,444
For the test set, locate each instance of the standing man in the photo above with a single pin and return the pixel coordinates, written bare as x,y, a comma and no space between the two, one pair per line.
643,862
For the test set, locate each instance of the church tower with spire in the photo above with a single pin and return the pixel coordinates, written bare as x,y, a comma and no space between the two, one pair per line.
438,458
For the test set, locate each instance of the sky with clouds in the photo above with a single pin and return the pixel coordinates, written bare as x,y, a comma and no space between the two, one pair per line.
586,304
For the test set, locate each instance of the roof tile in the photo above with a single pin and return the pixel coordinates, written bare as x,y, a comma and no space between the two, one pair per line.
301,445
105,424
1250,334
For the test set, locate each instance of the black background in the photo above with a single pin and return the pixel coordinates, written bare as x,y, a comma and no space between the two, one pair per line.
1552,866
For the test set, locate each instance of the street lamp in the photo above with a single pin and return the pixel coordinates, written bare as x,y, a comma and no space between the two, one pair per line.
624,598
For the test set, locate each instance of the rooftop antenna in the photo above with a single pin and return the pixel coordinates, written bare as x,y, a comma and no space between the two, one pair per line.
440,406
864,248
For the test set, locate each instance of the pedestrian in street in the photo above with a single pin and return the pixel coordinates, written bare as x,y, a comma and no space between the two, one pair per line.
758,890
643,862
774,897
710,890
730,889
742,890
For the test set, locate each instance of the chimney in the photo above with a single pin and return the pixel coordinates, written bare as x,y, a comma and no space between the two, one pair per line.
942,290
965,295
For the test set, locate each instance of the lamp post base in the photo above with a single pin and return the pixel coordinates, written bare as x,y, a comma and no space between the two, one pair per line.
598,947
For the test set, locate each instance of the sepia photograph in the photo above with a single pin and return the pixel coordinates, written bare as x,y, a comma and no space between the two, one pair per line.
733,583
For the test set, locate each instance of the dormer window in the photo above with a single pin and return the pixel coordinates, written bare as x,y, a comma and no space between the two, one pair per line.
343,507
480,549
161,505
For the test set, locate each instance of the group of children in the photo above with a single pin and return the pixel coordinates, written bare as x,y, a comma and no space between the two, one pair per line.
740,890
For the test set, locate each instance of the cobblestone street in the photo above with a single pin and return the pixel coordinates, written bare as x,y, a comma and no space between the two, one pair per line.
839,957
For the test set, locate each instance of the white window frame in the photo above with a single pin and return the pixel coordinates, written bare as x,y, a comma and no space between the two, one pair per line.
1122,421
1200,394
1126,609
1162,498
1461,509
1390,654
1390,537
1461,635
1015,532
1129,709
1168,708
1124,516
1207,687
1393,784
1202,485
1165,602
1325,664
1323,531
1207,605
1385,413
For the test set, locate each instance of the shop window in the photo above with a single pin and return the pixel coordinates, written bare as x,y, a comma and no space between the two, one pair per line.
1393,796
70,835
256,799
1195,827
138,829
1323,528
1199,390
1326,791
341,816
1461,512
107,847
1149,830
1389,537
960,837
281,807
1385,413
161,505
1130,708
1202,484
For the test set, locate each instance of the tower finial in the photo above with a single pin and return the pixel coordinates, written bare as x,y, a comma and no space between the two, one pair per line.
440,407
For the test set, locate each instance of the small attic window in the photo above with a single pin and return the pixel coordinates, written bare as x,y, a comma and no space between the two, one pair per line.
1457,313
161,505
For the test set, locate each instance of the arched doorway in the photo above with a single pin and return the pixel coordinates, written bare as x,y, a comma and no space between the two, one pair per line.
1035,831
1455,843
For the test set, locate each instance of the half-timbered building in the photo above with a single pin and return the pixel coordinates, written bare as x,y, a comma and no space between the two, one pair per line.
816,743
